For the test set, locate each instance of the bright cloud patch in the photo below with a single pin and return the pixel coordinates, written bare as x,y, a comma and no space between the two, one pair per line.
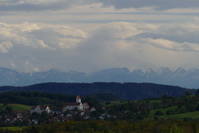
170,45
34,35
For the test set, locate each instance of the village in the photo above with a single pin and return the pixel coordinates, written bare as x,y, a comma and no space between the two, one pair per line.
83,114
42,114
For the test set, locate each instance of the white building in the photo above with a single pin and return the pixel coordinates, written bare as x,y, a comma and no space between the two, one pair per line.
75,105
72,106
39,109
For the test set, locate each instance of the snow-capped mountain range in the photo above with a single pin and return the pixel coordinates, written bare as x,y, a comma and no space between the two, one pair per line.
179,77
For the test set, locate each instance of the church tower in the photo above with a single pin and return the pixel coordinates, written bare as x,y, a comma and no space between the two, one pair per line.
78,99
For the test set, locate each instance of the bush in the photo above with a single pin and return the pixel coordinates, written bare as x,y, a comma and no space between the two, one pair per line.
170,112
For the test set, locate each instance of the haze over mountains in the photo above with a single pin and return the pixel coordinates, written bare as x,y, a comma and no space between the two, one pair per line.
179,77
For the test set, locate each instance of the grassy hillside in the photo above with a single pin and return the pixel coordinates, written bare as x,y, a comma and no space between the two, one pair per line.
182,116
18,107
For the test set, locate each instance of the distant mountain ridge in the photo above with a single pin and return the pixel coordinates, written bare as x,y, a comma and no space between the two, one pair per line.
180,77
131,91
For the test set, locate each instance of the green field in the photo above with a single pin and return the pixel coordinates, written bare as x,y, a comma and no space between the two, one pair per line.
14,129
192,115
18,107
152,112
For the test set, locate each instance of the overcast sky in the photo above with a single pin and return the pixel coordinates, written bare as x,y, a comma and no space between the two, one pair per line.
90,35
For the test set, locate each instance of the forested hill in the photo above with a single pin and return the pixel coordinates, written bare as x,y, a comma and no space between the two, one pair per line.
123,90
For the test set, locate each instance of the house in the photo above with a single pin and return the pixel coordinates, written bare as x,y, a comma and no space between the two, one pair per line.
39,109
10,119
92,109
75,105
85,106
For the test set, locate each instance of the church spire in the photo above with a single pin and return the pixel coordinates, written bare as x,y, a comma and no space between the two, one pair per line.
78,99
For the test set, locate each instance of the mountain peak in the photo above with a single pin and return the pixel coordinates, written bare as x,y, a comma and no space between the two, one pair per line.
138,72
163,71
180,70
150,71
114,70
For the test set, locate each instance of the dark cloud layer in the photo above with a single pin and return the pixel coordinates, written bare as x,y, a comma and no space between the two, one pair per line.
157,4
38,5
31,6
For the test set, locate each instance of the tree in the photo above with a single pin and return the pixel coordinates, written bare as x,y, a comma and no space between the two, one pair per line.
159,112
188,94
8,109
197,93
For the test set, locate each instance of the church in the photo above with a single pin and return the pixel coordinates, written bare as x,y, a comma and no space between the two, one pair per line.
78,105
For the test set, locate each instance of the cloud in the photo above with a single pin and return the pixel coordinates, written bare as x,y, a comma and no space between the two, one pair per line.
38,35
170,45
40,46
5,46
139,46
181,37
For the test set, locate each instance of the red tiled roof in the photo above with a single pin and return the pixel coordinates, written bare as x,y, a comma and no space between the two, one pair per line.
85,104
72,104
43,107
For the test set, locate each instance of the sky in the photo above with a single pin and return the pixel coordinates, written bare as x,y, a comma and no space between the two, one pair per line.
90,35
